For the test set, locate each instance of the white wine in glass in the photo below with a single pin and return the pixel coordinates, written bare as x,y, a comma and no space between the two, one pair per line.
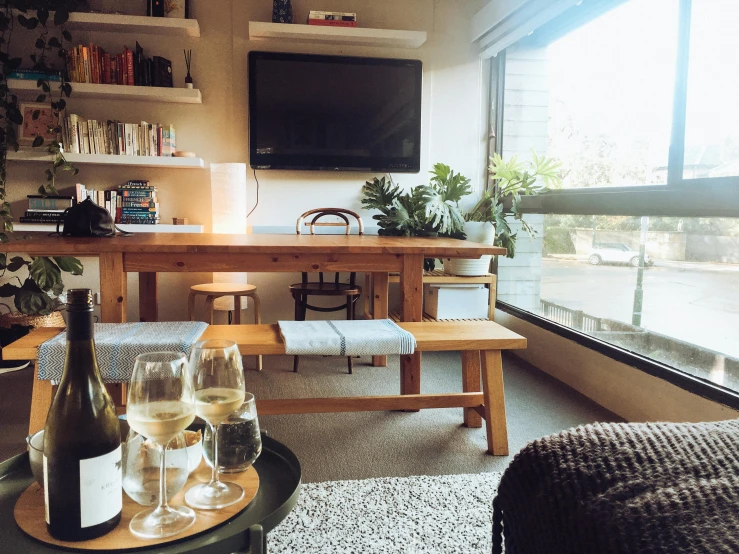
160,406
218,381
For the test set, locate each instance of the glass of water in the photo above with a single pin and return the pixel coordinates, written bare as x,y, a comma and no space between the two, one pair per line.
239,439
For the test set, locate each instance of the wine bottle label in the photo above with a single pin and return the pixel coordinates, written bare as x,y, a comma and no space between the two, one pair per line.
46,489
101,488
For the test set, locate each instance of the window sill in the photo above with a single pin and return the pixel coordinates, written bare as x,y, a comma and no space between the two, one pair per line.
685,381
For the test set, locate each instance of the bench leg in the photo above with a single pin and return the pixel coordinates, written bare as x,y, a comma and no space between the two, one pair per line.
471,383
379,292
492,390
41,397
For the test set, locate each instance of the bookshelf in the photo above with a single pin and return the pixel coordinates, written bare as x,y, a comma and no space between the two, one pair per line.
110,159
117,23
27,87
357,36
161,228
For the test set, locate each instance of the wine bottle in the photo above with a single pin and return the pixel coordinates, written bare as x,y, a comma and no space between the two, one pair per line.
83,489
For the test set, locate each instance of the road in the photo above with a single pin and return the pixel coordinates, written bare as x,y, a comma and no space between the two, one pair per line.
697,303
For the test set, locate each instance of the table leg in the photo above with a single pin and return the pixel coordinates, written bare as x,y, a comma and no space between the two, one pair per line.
112,288
471,383
41,396
148,300
494,398
379,307
411,289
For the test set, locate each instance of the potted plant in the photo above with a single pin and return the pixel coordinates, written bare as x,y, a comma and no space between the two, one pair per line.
36,297
424,211
489,220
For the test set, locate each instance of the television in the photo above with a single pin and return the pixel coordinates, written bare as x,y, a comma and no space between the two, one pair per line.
312,112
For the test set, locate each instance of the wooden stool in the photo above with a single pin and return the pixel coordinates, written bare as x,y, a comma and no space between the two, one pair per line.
211,291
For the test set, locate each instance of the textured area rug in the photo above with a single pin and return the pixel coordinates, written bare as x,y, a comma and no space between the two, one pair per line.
445,514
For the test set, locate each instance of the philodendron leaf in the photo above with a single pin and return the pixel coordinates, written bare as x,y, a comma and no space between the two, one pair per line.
31,300
69,264
7,290
16,262
44,272
57,289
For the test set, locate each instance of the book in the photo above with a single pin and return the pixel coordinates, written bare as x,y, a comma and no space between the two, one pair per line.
34,75
320,13
56,203
44,213
332,23
129,67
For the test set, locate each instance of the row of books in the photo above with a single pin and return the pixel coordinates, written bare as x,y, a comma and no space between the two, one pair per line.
332,19
91,64
133,203
89,136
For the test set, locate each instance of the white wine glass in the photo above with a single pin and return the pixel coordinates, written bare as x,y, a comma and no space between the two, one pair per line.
218,384
160,406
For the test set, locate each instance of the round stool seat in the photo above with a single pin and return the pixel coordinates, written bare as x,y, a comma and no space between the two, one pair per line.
226,289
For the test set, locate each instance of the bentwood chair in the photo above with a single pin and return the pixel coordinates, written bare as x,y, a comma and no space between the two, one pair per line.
333,288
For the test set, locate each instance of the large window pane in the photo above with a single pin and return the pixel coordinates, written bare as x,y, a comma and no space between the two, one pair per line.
712,125
600,98
686,311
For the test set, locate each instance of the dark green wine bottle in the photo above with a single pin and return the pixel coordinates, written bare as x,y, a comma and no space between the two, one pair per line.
83,488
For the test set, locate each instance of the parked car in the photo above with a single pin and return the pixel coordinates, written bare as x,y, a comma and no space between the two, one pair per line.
616,253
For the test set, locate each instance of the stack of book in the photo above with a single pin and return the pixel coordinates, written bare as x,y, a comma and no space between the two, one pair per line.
332,19
91,64
46,209
89,136
104,198
137,203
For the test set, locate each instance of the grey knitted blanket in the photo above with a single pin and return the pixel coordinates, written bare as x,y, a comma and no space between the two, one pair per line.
623,488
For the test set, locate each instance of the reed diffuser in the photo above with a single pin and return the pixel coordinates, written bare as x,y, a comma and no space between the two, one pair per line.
188,61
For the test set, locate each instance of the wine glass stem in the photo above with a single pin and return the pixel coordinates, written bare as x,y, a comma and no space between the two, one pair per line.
214,474
162,481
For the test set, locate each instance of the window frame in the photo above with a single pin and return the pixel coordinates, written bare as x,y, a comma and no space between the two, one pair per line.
679,197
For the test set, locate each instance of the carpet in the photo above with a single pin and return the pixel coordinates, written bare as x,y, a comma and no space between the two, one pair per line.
445,514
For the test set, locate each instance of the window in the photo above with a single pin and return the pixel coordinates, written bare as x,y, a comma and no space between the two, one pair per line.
640,248
712,124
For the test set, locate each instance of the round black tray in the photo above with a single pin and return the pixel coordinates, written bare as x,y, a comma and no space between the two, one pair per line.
279,487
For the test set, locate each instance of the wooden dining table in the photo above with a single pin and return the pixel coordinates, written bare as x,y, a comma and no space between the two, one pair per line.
150,254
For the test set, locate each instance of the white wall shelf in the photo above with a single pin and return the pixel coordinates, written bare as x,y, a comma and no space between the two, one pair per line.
139,24
356,36
27,87
162,228
110,159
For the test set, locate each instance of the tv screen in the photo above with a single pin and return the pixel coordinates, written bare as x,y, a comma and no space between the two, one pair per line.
334,113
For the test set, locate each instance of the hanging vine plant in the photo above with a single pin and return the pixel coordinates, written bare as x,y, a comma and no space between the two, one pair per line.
47,19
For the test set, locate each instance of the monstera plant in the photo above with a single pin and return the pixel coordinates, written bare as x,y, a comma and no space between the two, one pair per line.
425,210
38,293
430,210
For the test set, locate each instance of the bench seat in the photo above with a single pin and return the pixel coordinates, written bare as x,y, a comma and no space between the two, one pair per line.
480,342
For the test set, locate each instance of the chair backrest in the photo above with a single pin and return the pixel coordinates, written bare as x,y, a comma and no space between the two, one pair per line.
323,212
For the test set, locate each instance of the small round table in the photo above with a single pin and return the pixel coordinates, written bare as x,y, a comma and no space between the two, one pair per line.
279,488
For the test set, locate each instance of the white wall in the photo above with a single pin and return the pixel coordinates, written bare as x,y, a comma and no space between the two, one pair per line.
452,123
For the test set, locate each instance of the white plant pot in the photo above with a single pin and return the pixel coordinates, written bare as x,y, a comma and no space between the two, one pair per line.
476,231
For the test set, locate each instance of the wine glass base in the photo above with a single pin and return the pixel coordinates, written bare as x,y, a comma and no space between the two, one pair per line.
159,523
214,496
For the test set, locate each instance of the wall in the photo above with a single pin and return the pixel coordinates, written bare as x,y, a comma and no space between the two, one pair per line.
452,125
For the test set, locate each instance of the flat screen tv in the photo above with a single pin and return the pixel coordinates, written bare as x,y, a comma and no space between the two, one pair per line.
334,113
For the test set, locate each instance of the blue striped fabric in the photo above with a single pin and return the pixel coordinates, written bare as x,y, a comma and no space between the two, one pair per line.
376,337
118,344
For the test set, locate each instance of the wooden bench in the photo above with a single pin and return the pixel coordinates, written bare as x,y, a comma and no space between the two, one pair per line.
480,342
